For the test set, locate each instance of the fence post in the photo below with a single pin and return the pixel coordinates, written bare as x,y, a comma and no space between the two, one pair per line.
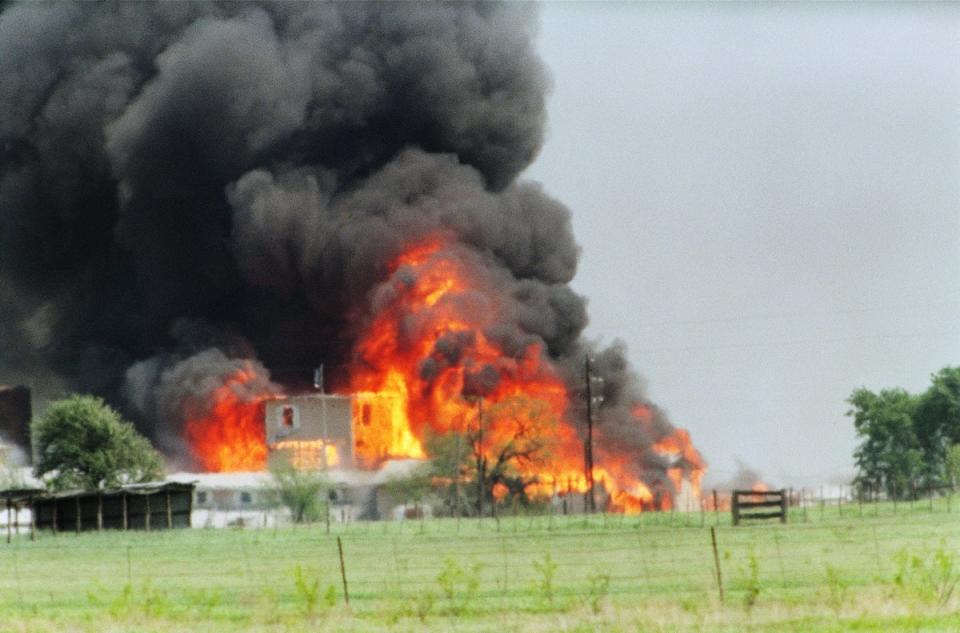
716,508
343,572
716,561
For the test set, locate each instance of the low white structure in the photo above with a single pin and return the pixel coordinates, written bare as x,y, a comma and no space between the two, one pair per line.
241,499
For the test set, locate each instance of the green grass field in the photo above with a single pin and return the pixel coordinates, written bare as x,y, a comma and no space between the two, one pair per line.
868,570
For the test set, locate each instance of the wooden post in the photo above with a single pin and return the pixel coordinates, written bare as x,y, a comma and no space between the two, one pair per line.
783,513
735,507
716,561
99,511
456,477
481,465
9,519
169,512
79,513
126,519
716,508
146,519
33,519
56,502
343,573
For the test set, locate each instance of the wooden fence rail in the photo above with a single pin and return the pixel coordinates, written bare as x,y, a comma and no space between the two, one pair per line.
752,500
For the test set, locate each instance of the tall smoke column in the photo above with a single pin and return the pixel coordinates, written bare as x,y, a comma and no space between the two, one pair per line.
188,185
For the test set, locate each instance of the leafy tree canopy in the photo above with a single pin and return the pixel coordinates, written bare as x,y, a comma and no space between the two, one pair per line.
80,442
908,440
302,491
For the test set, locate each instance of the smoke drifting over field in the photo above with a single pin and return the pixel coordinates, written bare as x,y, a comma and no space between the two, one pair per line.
186,189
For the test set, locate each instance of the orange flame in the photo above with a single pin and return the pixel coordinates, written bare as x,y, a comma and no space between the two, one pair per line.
430,340
429,363
309,454
230,435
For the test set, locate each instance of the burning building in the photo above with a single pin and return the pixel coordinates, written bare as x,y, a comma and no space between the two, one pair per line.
200,202
315,431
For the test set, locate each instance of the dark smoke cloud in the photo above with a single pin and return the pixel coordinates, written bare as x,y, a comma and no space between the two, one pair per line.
186,185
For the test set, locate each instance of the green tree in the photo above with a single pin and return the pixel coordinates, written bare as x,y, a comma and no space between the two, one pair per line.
952,466
303,492
80,442
889,456
937,421
452,465
414,486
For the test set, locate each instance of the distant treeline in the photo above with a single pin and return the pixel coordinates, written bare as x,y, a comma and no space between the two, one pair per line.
908,442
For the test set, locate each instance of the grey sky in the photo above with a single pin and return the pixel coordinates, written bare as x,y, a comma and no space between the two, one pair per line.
768,202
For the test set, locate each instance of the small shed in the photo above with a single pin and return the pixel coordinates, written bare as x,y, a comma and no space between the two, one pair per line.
12,502
146,506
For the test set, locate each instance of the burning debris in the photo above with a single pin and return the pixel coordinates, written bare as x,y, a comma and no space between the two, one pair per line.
201,202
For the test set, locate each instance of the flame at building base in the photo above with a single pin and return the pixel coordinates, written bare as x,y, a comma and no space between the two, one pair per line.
226,431
432,361
434,351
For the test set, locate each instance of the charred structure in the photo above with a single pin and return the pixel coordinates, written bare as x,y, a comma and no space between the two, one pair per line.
200,202
15,415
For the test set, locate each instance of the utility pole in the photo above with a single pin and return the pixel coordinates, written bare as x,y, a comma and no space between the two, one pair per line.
481,462
589,503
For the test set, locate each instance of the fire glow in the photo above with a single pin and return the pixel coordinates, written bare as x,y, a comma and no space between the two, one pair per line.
229,436
428,348
428,364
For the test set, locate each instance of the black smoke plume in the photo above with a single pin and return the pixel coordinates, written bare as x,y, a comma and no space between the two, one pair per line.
187,185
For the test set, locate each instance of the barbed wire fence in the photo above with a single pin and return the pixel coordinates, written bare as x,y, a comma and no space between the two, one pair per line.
516,562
